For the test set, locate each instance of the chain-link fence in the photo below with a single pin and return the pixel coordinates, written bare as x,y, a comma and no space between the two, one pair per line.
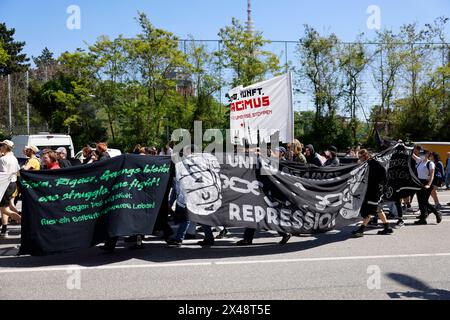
370,91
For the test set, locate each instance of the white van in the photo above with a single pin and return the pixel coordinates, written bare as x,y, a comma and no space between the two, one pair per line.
42,141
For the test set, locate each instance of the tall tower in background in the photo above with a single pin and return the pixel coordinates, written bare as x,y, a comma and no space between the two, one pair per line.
249,17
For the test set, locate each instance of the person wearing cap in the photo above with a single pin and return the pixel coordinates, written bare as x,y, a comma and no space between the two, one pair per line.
61,152
333,161
33,162
8,165
280,153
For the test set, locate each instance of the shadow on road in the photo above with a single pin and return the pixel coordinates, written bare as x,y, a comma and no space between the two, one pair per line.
158,251
421,290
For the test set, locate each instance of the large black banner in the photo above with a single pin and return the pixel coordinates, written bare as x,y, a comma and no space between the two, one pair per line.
401,182
78,207
75,208
246,192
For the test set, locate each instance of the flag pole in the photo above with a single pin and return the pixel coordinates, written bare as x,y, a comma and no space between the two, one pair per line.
291,93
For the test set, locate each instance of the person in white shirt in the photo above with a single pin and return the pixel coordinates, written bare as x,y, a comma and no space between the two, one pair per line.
8,165
425,173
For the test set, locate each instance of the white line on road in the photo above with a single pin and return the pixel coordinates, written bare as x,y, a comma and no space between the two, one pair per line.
223,263
337,258
131,266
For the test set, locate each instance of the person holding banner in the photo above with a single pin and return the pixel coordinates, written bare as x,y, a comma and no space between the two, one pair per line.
371,204
8,165
181,213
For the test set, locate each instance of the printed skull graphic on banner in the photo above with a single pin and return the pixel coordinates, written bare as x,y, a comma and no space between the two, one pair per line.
199,180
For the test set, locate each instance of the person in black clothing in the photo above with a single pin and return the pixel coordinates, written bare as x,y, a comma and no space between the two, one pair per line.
61,152
249,233
425,173
110,244
333,161
416,151
137,149
312,157
370,206
162,220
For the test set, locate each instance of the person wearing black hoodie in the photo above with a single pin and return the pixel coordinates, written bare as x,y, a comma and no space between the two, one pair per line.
249,233
312,157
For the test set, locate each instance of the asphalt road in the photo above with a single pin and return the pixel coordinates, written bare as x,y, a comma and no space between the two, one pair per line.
413,263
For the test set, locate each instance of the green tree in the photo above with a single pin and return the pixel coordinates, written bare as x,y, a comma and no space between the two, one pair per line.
66,102
16,61
391,53
416,60
110,58
159,64
303,125
45,58
353,61
45,65
319,60
243,53
207,80
441,78
4,57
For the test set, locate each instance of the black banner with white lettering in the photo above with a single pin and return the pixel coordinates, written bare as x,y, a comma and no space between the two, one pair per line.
79,207
299,199
247,193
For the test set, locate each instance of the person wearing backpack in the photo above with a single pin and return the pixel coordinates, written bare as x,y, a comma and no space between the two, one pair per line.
438,180
425,173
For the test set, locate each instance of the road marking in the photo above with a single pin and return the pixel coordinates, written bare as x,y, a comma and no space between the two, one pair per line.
135,266
402,256
222,263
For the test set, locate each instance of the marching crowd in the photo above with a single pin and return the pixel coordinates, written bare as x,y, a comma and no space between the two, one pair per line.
427,166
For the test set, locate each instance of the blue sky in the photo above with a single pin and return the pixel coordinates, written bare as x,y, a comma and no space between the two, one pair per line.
43,23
